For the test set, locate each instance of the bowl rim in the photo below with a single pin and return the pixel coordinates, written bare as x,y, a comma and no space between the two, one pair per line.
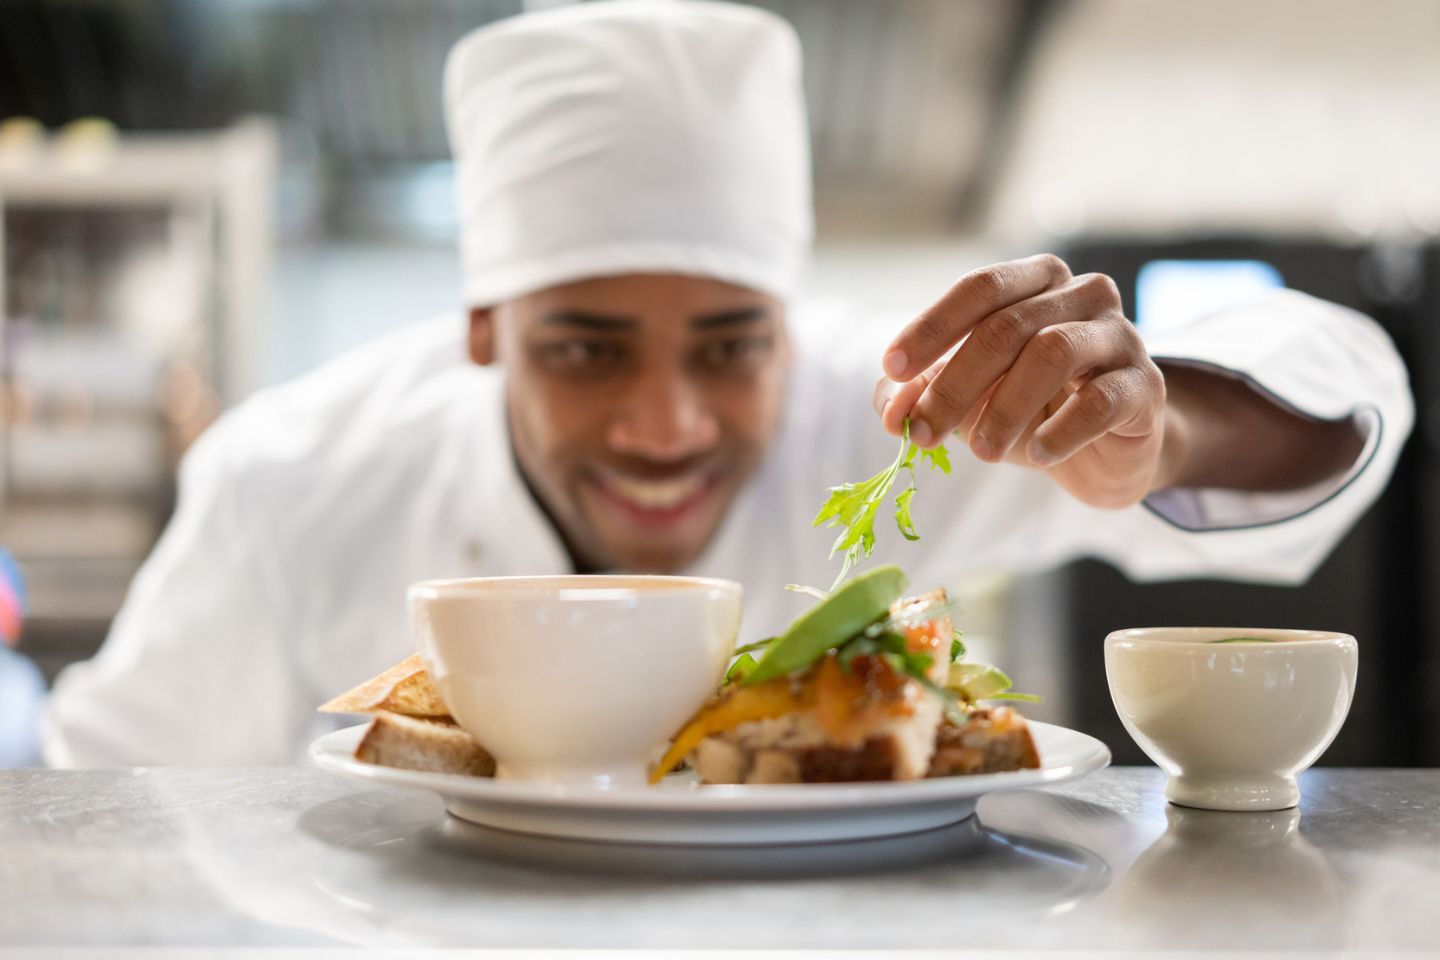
1293,638
583,587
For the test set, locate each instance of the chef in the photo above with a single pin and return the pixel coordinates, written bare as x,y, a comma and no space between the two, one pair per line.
633,386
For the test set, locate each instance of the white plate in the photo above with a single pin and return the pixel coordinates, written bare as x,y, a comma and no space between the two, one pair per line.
681,811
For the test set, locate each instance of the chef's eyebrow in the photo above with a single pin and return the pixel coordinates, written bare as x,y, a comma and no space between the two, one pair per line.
729,318
589,321
739,316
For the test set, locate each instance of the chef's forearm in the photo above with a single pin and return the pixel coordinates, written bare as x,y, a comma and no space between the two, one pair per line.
1221,433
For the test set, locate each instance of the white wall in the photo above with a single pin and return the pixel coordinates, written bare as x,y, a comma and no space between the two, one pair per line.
1299,117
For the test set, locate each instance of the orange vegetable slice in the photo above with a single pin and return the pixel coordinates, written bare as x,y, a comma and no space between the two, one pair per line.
737,705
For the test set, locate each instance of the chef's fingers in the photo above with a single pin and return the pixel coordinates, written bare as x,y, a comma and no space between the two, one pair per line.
973,297
1116,402
990,350
1056,357
894,401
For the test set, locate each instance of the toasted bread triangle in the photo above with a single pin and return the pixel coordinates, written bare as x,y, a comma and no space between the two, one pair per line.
411,743
405,689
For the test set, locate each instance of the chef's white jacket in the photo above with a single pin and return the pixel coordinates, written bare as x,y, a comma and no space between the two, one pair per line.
305,512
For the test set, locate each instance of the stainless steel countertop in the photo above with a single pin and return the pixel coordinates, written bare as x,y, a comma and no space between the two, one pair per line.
282,856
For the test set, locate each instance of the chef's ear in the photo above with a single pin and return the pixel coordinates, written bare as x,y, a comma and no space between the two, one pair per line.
482,335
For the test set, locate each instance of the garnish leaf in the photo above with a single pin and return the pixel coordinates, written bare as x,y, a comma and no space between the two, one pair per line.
853,506
957,646
815,592
902,513
756,646
938,458
739,669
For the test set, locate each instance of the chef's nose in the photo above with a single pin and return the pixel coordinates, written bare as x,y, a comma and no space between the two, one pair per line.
663,417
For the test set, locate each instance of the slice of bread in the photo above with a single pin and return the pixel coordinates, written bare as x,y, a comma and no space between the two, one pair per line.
435,746
992,740
786,750
405,689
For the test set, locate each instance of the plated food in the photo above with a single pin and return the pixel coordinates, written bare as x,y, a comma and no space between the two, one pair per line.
863,719
866,685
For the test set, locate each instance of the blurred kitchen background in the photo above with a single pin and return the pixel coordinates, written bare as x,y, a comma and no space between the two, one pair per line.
201,197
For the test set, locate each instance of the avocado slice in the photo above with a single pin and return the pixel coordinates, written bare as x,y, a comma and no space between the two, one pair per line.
831,622
977,681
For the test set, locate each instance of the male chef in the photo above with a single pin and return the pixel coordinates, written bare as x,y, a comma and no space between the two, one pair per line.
631,385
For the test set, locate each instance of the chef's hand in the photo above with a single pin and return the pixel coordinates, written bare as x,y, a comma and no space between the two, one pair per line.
1049,374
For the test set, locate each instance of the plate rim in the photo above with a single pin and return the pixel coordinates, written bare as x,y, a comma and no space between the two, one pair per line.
333,752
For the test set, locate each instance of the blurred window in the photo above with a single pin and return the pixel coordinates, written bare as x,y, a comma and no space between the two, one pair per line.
1170,293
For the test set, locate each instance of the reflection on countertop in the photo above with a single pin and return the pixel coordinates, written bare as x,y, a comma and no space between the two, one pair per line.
1274,885
295,857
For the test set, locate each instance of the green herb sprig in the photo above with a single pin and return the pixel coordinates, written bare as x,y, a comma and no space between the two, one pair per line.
739,670
853,506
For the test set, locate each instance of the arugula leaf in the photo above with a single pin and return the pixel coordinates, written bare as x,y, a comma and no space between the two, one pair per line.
853,506
756,646
957,646
902,513
892,647
739,669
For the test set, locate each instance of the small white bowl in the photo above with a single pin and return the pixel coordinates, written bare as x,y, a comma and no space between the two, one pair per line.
1231,723
575,678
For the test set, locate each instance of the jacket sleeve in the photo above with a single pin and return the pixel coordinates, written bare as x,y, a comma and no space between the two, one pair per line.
1322,362
195,638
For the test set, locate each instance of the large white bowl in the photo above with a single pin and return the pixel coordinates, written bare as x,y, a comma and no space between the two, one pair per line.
575,678
1231,723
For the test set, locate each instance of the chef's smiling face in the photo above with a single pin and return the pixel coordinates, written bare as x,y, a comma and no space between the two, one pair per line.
638,406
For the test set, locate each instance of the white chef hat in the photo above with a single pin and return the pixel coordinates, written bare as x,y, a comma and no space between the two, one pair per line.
659,136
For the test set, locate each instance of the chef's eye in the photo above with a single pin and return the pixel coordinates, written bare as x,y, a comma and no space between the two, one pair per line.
734,355
580,357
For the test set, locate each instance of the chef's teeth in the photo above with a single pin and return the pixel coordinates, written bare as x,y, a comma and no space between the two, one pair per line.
656,494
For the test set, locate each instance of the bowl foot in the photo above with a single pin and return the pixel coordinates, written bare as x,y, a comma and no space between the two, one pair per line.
1233,793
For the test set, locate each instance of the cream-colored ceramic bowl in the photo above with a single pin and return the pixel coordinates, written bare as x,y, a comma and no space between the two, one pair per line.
579,678
1232,723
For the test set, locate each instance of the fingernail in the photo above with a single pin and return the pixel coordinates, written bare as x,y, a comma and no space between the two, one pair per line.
895,363
983,448
920,433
